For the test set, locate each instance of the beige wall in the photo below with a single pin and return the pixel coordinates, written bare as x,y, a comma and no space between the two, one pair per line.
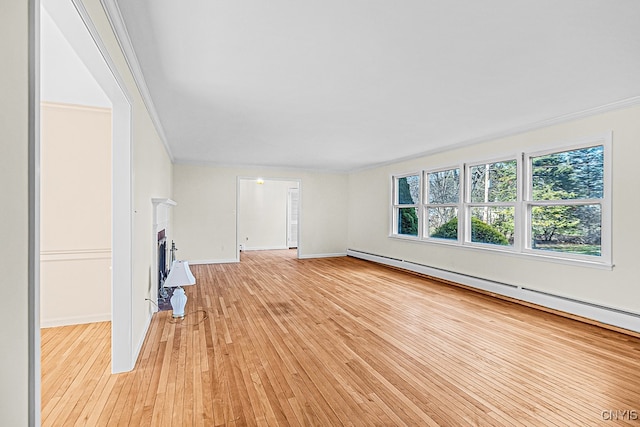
262,208
14,191
205,217
75,214
369,197
152,172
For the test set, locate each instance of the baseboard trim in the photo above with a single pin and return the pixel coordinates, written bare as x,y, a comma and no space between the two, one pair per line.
214,261
265,248
331,255
74,320
608,317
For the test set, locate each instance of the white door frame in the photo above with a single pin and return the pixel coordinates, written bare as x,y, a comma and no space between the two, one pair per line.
74,22
254,178
290,205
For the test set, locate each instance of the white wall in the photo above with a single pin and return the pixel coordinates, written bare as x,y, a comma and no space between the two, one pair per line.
14,174
75,214
369,223
64,77
262,213
205,217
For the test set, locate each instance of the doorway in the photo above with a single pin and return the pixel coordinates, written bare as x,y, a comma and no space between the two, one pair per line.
73,22
268,214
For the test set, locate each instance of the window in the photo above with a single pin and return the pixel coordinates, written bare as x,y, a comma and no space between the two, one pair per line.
443,198
406,202
565,201
491,202
553,203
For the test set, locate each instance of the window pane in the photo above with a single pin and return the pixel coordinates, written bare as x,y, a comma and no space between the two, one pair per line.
408,190
444,186
495,224
576,174
563,228
494,182
408,221
443,222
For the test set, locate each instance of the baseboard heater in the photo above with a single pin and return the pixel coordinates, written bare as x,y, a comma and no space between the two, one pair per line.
601,314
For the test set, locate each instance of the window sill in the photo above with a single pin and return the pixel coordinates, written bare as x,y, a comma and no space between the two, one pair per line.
546,257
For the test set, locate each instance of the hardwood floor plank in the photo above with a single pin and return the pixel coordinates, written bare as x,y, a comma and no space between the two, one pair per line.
277,341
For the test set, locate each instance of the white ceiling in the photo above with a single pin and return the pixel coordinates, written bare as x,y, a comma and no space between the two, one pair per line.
346,84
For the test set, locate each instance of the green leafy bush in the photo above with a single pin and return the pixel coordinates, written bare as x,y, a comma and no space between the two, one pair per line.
480,232
484,233
408,222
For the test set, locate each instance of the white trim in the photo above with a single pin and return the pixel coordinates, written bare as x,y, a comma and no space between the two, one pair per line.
88,44
163,201
76,320
547,256
265,248
468,205
34,374
612,106
112,10
425,206
327,255
521,206
396,205
102,48
279,168
75,255
213,261
607,315
265,178
604,139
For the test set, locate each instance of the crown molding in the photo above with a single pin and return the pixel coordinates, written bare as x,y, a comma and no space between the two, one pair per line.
112,10
612,106
104,52
256,167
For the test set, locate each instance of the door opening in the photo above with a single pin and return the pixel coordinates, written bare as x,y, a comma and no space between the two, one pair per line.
268,214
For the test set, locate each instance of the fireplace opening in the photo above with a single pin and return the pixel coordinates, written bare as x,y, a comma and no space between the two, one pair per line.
162,265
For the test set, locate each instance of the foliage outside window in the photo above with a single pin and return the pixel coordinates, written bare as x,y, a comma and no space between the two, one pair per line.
407,198
492,201
443,197
558,206
565,206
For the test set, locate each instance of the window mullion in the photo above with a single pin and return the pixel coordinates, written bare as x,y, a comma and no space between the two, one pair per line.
579,227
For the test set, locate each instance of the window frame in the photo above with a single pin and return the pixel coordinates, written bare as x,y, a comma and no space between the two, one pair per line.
522,242
516,204
396,206
529,203
426,205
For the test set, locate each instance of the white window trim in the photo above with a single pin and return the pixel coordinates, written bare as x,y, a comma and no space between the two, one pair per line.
605,258
516,204
521,245
459,206
395,206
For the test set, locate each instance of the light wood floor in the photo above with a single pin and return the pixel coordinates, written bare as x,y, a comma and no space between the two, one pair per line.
330,342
